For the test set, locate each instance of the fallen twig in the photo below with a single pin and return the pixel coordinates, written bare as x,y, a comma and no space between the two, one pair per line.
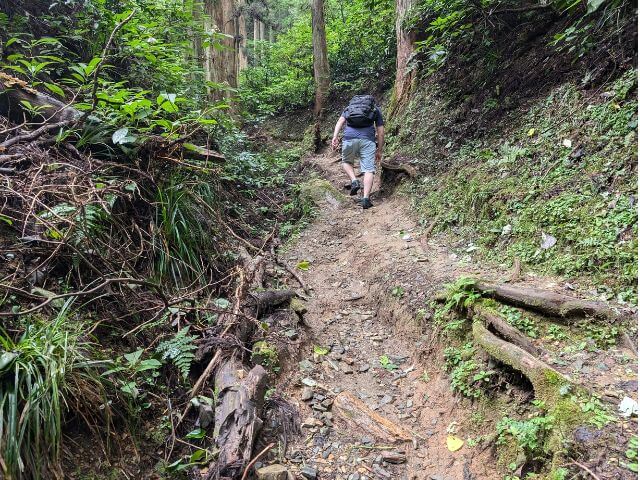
256,458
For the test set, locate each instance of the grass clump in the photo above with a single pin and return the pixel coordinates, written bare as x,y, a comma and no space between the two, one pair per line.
43,374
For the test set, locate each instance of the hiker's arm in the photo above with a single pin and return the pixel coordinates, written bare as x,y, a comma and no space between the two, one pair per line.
380,140
336,131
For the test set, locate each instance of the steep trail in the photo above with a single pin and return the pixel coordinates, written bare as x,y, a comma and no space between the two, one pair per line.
366,270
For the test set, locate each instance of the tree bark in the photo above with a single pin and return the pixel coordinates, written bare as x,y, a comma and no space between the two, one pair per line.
13,91
320,59
508,332
404,44
256,38
241,38
221,64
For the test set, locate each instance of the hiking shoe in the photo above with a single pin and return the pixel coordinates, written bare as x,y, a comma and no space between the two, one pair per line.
366,203
355,186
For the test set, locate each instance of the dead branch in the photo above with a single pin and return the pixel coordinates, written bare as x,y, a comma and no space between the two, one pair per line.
33,135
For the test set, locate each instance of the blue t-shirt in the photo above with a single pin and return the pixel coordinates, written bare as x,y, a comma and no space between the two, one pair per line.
368,133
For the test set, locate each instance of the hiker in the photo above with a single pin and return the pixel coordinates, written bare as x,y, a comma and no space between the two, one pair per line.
365,125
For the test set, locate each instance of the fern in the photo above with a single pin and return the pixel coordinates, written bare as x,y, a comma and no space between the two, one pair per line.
179,350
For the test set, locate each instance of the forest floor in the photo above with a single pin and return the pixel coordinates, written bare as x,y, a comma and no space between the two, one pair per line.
369,272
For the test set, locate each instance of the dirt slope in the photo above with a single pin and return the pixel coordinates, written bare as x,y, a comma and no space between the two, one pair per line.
370,272
356,258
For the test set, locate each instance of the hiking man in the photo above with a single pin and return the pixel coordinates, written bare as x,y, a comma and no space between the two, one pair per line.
365,125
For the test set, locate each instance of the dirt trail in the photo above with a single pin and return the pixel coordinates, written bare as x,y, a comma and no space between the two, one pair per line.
356,259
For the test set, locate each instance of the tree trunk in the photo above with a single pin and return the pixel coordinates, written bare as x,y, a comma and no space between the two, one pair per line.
241,38
320,60
256,38
221,64
404,43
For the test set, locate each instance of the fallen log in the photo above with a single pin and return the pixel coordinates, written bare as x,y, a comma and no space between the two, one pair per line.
495,322
237,415
545,379
271,298
548,303
353,411
15,94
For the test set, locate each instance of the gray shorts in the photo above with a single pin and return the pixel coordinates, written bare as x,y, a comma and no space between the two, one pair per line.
360,148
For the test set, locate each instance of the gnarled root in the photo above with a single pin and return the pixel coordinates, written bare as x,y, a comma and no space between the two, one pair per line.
545,379
497,325
548,303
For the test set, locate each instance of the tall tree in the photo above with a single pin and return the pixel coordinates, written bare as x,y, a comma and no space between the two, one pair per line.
404,42
320,61
224,23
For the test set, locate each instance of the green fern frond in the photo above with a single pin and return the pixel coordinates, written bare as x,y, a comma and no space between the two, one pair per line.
180,350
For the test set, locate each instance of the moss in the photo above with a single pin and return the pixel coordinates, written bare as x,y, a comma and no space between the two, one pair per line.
264,354
321,192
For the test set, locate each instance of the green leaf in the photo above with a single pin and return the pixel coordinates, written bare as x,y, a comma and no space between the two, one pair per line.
593,5
320,350
54,88
197,456
197,433
303,265
133,357
222,303
120,135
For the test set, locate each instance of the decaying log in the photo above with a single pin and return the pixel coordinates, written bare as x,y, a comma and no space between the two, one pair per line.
545,379
271,298
393,173
548,303
494,322
14,91
353,411
237,415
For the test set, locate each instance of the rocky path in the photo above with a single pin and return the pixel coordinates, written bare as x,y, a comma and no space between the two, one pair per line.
364,363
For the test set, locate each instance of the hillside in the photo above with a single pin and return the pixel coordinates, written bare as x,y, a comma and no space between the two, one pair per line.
188,289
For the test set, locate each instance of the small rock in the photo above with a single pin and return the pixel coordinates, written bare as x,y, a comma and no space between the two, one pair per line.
354,476
367,440
305,365
364,368
385,400
309,472
272,472
346,368
393,457
291,334
307,394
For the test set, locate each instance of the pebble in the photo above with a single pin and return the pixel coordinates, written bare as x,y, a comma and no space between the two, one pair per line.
364,368
307,393
309,472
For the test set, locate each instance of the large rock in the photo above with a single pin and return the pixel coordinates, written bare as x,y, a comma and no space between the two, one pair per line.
273,472
321,193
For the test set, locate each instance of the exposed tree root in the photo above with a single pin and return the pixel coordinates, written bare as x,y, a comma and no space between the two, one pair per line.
549,303
545,379
497,324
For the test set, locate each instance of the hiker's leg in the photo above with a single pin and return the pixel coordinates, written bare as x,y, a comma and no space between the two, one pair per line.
368,183
348,156
348,168
368,165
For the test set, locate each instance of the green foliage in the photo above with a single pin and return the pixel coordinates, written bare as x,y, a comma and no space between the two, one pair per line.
604,336
632,454
42,374
132,374
387,364
502,199
523,323
467,377
265,354
360,45
180,350
528,435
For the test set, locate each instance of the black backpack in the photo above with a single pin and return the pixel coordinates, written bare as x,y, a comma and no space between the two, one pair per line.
361,111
